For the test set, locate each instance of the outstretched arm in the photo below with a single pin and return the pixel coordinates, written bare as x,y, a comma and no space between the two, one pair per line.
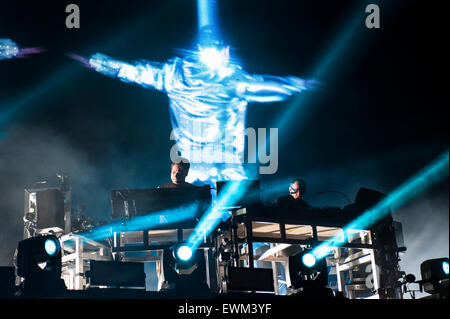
267,88
146,74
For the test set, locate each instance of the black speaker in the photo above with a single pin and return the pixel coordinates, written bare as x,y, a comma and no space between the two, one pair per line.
50,209
433,272
114,273
243,279
367,198
7,282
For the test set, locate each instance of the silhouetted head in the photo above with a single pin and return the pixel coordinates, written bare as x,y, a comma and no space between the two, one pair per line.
297,188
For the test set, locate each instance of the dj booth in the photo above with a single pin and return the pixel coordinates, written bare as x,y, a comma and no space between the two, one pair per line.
234,261
285,233
163,204
169,217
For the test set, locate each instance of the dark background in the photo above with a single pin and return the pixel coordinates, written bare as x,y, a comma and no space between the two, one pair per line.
380,118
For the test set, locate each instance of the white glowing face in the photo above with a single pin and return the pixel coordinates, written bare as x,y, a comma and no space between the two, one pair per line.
214,58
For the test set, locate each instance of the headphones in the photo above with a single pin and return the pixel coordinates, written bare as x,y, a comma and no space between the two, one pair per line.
301,187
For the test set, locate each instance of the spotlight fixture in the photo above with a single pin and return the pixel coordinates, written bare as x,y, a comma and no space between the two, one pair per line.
185,269
183,252
306,269
51,246
306,261
309,260
445,267
39,264
184,258
434,272
36,251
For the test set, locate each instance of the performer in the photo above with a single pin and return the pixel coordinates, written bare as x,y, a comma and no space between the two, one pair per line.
10,50
294,200
178,174
208,94
166,274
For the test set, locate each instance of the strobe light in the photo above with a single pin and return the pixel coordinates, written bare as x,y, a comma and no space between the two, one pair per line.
434,272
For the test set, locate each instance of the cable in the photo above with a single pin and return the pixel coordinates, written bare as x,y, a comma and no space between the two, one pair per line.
343,194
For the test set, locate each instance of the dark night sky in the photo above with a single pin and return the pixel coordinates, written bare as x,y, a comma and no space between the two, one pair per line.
380,118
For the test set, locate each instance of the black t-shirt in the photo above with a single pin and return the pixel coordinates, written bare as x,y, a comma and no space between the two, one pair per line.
288,202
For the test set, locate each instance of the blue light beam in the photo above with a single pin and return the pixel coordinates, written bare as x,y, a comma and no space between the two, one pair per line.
161,218
230,195
208,97
206,14
430,175
333,60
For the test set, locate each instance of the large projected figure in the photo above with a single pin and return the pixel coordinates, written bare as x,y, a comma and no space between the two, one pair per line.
208,95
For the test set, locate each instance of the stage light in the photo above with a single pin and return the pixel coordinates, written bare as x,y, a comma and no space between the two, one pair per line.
435,276
35,251
306,270
51,246
434,269
39,264
185,270
309,260
419,183
183,258
445,267
183,252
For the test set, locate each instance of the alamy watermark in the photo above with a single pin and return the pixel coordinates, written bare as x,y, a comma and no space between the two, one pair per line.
373,19
73,19
228,148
